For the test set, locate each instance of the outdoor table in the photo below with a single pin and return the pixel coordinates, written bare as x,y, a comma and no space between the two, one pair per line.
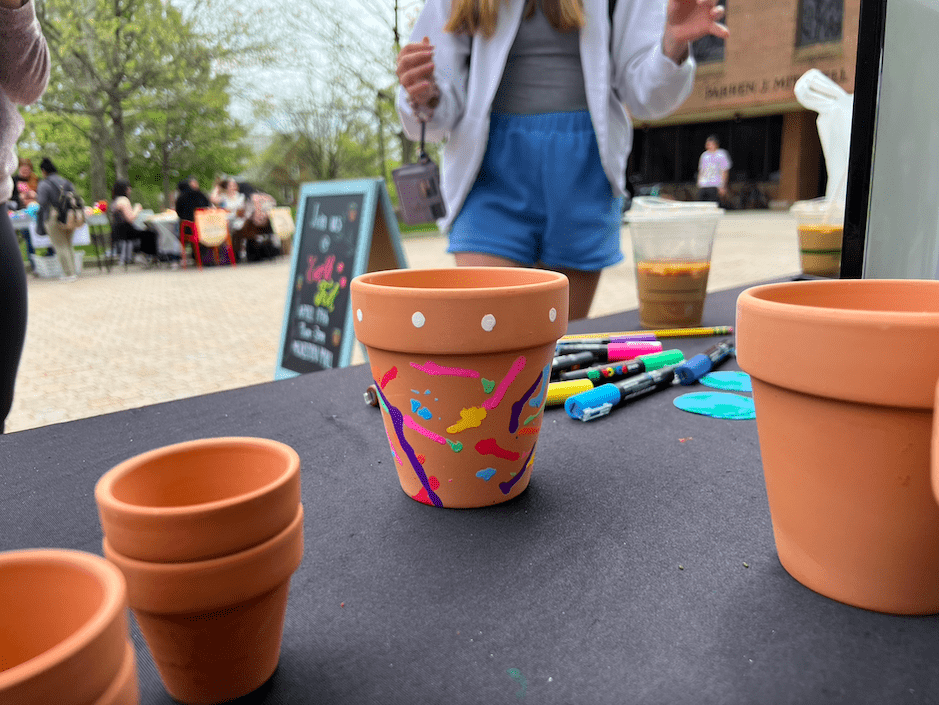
638,567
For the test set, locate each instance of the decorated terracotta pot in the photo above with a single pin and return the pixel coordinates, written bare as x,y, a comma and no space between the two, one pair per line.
844,382
63,630
200,499
461,359
214,627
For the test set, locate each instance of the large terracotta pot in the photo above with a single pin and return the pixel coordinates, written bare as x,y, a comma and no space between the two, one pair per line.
200,499
844,382
214,627
461,358
63,631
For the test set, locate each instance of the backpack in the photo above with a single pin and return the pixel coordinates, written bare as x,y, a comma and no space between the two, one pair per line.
70,209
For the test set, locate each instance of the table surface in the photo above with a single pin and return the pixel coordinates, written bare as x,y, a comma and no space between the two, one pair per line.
571,593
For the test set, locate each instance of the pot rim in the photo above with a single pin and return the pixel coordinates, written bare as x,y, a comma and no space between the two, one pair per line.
860,317
382,281
112,606
218,581
104,488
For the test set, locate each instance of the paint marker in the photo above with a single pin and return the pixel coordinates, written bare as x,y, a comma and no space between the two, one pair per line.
626,368
572,360
696,367
371,395
559,392
659,334
601,400
613,352
606,338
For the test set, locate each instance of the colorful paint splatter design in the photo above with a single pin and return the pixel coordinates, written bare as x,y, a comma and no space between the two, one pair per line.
495,424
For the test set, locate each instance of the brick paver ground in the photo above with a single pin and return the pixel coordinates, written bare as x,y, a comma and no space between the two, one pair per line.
134,337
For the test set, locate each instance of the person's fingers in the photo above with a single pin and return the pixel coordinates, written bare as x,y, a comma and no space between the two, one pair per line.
719,30
717,13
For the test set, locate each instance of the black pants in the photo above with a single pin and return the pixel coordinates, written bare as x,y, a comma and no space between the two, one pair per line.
708,193
12,312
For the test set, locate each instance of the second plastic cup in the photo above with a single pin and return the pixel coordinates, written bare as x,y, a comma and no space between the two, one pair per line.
820,224
672,244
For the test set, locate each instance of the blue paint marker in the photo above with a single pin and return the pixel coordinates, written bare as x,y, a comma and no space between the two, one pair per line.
696,367
599,401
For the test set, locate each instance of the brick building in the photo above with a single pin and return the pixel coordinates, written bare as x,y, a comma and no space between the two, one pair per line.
744,95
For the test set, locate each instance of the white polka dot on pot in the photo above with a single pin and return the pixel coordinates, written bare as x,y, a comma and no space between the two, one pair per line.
488,322
418,319
552,315
358,314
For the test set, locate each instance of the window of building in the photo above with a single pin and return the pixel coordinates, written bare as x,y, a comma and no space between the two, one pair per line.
820,21
710,49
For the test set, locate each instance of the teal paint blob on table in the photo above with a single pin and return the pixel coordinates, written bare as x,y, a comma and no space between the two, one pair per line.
718,405
730,381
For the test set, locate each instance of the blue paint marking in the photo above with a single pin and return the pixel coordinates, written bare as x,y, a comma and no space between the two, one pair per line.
415,405
486,474
425,414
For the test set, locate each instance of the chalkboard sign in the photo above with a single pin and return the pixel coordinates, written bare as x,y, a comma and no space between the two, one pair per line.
344,228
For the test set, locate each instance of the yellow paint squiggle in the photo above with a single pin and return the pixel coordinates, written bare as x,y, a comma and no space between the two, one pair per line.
469,418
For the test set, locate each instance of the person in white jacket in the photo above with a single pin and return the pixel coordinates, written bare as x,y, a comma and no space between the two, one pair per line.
529,97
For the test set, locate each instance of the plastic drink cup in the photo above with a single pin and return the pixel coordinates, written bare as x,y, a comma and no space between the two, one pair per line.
672,243
820,224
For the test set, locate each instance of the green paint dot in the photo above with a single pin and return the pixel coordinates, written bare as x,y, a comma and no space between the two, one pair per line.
455,445
530,419
488,385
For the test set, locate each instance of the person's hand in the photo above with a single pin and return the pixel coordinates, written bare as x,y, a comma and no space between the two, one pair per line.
687,21
416,75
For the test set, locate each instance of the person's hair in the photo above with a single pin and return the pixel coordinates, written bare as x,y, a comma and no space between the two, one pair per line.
472,16
25,161
121,188
713,138
47,166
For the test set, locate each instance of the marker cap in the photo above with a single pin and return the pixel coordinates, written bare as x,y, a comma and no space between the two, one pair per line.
632,349
662,359
558,392
694,369
579,405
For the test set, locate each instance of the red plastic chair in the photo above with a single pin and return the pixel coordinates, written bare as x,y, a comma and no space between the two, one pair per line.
187,233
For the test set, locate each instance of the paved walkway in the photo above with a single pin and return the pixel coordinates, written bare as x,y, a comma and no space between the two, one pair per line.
132,338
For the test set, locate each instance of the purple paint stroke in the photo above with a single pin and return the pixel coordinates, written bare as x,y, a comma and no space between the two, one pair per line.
414,425
432,368
519,405
397,420
506,487
545,375
496,399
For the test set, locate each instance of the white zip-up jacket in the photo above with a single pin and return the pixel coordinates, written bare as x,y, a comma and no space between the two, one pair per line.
468,70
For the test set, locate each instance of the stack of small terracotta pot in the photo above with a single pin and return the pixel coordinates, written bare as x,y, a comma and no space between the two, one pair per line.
207,535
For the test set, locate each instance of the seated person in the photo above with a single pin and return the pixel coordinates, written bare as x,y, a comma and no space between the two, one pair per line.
122,215
25,184
190,198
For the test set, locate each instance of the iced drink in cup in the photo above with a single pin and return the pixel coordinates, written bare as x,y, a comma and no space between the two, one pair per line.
820,224
672,244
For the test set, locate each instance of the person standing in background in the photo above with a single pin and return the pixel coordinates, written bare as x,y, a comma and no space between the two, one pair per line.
50,189
529,96
24,58
713,171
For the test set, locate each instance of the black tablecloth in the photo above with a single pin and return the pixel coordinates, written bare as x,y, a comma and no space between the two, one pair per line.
638,567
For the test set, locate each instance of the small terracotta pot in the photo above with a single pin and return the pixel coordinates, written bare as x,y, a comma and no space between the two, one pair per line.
63,630
461,358
214,627
844,382
199,500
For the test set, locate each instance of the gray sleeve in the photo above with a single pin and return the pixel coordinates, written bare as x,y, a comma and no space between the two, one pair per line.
24,55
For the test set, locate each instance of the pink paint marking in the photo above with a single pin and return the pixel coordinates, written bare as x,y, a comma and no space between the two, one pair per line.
432,368
496,399
412,424
488,446
389,375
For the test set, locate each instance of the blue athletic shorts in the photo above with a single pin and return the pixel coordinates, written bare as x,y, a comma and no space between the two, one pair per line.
542,196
